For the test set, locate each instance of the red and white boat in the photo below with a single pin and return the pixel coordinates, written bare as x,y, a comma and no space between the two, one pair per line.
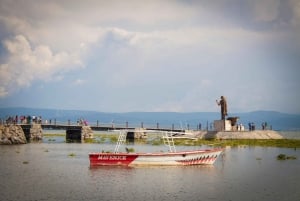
171,158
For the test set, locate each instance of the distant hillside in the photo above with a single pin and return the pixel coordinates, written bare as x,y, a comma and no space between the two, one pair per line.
279,121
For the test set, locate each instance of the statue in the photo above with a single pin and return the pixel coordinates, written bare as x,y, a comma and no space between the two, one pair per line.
223,104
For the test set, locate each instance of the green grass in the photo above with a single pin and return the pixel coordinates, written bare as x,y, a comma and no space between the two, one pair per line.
89,140
54,135
284,143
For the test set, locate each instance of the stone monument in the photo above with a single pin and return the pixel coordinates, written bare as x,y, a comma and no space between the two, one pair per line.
223,104
223,124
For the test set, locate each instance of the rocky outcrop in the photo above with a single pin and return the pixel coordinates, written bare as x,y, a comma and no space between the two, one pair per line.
12,134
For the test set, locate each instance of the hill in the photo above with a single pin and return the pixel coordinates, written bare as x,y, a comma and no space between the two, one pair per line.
278,121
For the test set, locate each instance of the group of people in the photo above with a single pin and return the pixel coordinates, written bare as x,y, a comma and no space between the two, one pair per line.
251,126
264,126
23,119
82,122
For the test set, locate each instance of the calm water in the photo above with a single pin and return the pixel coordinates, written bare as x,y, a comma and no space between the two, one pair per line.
45,171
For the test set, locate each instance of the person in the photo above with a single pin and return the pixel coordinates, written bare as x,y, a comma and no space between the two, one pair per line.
250,126
223,105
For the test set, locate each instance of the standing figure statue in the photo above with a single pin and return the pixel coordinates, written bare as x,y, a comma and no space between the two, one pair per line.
223,104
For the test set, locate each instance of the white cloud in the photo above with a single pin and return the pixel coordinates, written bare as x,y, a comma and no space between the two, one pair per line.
26,64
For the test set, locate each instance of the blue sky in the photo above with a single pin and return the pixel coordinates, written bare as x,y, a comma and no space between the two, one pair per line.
122,56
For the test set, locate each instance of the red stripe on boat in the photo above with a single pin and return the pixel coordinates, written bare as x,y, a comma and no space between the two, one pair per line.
111,159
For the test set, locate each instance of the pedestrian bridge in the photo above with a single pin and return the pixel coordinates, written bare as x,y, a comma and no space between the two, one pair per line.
98,127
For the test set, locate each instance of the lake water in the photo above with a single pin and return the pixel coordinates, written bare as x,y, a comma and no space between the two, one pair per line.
46,171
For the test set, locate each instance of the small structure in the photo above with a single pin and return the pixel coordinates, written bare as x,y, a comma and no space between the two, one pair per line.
79,133
36,132
222,125
73,134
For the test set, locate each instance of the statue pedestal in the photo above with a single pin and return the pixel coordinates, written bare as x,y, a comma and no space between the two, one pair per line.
222,125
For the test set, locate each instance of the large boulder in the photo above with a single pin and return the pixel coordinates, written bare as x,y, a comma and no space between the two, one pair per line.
12,134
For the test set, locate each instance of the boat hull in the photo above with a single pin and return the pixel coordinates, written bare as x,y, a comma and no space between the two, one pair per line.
199,157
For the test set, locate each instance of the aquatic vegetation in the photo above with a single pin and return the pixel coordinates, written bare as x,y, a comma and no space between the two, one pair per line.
286,143
102,140
154,139
89,140
156,142
285,157
291,157
130,150
103,151
72,155
54,135
113,138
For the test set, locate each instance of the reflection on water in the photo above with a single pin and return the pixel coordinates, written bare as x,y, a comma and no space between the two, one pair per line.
46,171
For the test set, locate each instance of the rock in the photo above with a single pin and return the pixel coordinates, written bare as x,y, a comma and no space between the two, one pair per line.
36,132
12,134
5,141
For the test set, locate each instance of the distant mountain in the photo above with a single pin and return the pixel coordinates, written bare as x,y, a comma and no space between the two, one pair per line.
278,121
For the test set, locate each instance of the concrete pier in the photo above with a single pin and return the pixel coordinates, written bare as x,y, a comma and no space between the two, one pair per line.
79,134
224,135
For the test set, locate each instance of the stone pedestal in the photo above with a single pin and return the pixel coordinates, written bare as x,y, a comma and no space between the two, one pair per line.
222,125
86,133
36,132
140,133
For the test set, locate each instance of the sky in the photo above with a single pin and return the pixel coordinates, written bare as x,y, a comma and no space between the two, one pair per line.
150,55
